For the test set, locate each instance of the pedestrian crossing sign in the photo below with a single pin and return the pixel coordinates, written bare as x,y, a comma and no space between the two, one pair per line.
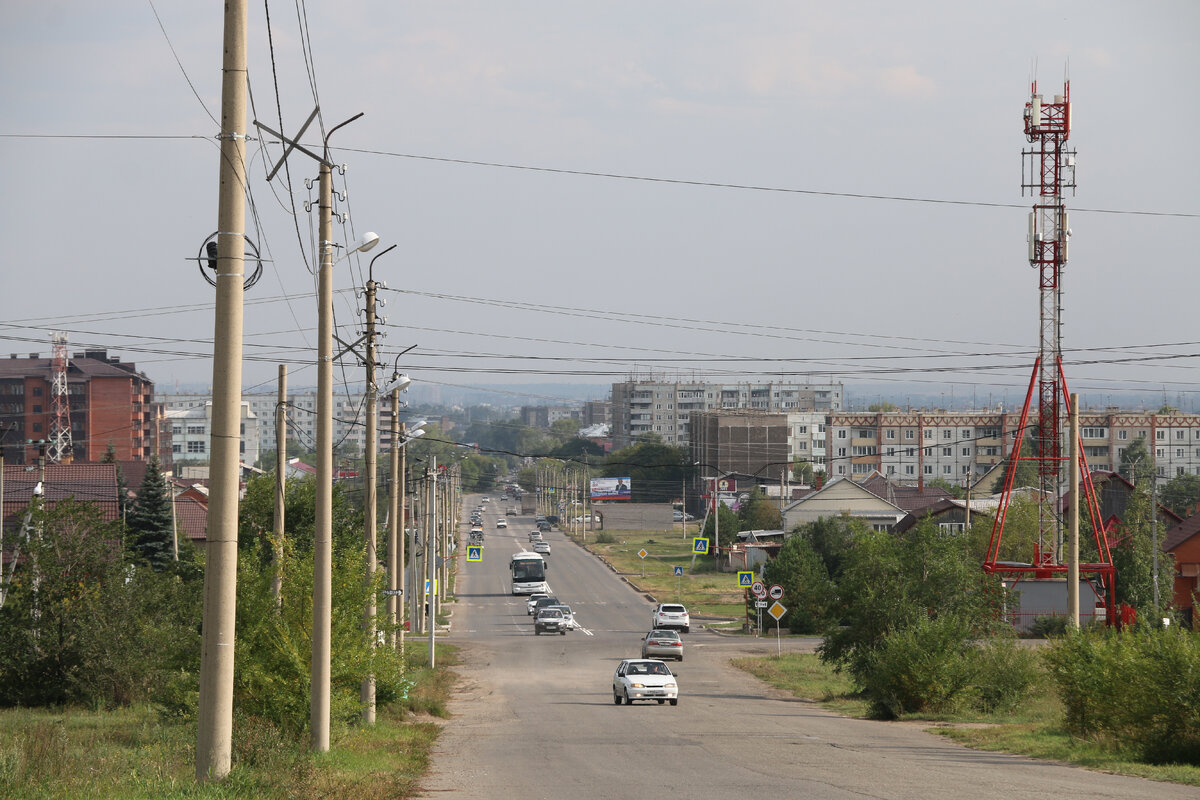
475,553
745,578
700,546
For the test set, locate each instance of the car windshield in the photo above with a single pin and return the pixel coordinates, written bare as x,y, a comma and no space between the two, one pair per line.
550,612
648,668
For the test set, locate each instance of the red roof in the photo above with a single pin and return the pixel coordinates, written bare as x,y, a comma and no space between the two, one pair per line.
95,483
191,518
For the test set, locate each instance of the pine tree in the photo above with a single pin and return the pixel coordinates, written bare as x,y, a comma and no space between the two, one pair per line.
123,501
149,528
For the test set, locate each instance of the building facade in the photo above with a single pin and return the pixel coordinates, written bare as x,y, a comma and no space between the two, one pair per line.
911,447
191,429
665,408
109,403
757,443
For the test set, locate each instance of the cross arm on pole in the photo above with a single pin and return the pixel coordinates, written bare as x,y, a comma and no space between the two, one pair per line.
293,144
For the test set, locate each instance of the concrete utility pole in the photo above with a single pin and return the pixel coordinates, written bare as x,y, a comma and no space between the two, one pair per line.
214,738
431,554
1073,536
370,456
280,483
395,543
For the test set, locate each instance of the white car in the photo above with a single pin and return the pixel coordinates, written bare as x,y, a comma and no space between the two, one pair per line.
532,601
541,546
671,615
568,614
502,523
644,679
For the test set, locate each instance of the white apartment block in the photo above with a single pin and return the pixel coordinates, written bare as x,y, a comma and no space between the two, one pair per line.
960,447
191,427
665,408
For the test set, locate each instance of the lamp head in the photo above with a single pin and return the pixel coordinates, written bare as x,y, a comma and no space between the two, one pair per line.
365,242
400,380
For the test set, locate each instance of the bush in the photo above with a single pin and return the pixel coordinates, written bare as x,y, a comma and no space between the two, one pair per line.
1004,671
604,537
1049,627
923,667
1140,688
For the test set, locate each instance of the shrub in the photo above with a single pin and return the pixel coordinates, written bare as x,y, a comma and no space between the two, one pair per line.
604,537
1140,688
922,667
1004,671
1049,626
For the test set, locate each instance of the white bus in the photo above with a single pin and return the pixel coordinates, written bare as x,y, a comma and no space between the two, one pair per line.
528,573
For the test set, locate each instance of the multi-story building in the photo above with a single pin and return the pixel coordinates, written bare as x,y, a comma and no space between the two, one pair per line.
916,446
597,412
109,403
665,408
191,429
757,443
545,416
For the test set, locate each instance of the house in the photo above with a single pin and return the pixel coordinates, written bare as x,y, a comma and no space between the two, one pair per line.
842,496
950,514
1183,542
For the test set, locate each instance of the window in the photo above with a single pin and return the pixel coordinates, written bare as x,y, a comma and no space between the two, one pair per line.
841,452
1160,435
37,409
929,469
176,447
1095,451
195,447
841,469
1179,470
946,470
909,469
196,429
947,434
909,434
842,433
966,434
861,469
1179,434
37,427
1159,452
891,434
966,451
176,430
801,430
1122,435
891,451
891,470
947,451
1094,433
952,527
801,446
864,433
910,452
864,450
928,434
37,391
1179,452
991,451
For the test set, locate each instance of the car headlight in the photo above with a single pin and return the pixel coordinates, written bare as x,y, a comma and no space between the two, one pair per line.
668,686
638,685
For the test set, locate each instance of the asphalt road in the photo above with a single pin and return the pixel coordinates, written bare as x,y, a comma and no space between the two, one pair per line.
533,716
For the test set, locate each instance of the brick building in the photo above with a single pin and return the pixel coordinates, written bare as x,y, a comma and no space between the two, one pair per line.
110,403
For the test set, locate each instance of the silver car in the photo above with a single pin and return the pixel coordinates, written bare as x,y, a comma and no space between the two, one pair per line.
662,644
644,679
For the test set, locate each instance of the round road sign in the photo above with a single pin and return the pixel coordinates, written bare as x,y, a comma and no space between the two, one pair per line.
758,590
776,591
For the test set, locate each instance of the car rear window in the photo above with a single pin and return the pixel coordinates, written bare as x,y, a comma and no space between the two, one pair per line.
673,609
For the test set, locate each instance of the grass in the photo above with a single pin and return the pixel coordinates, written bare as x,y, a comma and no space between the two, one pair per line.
705,592
136,753
1032,729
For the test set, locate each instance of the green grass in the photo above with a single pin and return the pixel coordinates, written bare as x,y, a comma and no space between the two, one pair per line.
135,753
705,592
1032,729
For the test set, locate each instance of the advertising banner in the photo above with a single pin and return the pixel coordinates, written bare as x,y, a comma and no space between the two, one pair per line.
610,489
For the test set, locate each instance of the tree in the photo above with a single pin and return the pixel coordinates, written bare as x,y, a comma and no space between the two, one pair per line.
810,595
831,538
1135,465
1133,557
123,500
727,521
1027,474
656,470
1181,494
802,473
759,513
149,526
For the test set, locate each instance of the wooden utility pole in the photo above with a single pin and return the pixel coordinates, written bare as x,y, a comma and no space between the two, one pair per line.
214,737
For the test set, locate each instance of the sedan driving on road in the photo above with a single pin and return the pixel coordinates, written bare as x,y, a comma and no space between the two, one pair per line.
662,644
550,620
671,615
541,546
644,679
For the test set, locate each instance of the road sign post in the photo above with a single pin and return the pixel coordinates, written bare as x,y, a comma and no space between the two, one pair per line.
678,582
777,610
642,555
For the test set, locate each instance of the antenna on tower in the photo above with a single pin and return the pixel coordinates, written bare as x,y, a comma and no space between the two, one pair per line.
61,449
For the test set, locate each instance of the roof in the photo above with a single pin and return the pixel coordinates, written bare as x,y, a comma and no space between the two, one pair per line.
1181,533
89,364
908,498
96,483
191,518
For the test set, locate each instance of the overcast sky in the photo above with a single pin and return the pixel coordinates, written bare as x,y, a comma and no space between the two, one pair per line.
515,268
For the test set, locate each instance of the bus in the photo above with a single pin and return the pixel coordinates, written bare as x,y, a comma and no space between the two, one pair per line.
528,573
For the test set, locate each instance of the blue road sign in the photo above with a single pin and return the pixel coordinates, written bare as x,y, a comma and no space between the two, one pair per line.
474,553
700,546
745,578
678,572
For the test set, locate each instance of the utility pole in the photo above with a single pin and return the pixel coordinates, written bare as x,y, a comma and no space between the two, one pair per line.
280,483
370,457
395,544
214,737
431,554
1073,535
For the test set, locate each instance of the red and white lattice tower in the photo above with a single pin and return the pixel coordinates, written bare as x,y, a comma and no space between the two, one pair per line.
61,449
1051,171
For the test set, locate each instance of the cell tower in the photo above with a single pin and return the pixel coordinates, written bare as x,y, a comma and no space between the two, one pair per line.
1048,169
61,448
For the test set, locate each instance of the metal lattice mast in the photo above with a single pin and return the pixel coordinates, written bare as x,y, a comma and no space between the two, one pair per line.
61,448
1051,172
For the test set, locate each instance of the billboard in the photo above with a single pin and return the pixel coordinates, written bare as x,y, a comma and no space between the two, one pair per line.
610,488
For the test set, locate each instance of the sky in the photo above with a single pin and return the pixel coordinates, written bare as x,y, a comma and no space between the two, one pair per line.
580,192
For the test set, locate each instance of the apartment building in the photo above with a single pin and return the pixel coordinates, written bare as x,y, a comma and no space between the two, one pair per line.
916,446
191,429
109,403
665,408
757,443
